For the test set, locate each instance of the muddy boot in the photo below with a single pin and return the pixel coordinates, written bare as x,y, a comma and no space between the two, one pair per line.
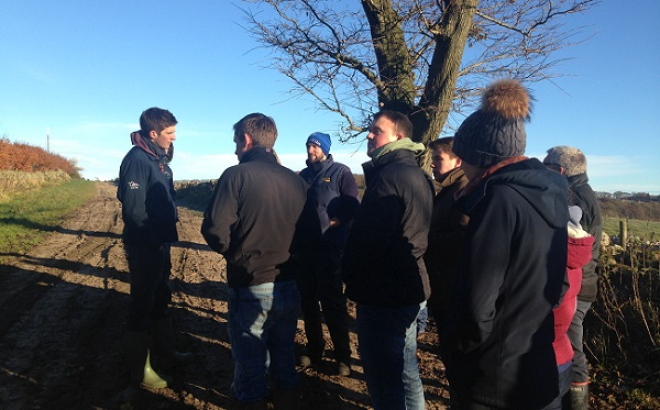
286,399
579,396
136,345
163,344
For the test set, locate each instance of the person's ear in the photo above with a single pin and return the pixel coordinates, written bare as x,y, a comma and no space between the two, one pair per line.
249,141
153,135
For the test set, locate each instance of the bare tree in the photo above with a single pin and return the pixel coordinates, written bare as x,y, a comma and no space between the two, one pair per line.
427,58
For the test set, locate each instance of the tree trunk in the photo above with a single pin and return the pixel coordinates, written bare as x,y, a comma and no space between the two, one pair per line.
435,103
397,88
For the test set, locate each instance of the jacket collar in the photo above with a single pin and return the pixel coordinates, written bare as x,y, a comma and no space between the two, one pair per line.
259,153
322,166
150,148
454,175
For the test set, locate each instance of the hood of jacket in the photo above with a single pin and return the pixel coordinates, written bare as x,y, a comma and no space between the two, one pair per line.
579,251
403,143
152,149
545,190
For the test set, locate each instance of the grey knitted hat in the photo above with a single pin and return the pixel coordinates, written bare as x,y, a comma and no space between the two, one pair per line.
496,131
571,159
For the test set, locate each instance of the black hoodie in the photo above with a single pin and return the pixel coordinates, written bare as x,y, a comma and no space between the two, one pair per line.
511,275
146,191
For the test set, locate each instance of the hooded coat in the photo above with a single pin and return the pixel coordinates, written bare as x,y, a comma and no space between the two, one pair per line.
510,278
446,234
383,262
579,254
585,197
146,191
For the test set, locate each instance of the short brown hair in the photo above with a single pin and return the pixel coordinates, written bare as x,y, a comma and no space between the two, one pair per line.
156,119
445,144
260,127
401,121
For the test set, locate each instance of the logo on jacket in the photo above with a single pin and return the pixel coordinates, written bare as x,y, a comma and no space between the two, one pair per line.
133,185
326,180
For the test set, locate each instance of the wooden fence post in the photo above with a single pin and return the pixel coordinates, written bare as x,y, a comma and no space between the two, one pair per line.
623,233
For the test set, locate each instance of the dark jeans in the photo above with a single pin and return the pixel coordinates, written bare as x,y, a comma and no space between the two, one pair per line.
150,269
321,283
388,348
575,334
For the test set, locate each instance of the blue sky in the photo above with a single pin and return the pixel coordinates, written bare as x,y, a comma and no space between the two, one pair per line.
84,71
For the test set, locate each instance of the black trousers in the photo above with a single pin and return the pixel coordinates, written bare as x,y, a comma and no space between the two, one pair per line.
321,287
150,269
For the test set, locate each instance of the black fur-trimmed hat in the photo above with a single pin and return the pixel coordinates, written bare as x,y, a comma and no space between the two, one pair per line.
496,131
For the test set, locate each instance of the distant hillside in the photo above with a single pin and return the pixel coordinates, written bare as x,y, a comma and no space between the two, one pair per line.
630,209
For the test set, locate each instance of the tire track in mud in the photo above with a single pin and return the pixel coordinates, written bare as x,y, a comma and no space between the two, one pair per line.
64,289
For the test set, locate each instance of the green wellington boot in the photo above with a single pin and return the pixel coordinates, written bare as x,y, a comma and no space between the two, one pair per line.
579,396
136,345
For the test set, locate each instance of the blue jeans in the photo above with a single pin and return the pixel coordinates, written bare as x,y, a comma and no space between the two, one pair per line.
150,268
262,328
388,348
422,320
575,334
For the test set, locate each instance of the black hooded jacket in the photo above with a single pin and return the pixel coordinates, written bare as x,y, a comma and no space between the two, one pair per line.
585,197
383,263
146,191
510,278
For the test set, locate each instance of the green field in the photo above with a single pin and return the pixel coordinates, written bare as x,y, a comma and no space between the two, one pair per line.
27,218
645,230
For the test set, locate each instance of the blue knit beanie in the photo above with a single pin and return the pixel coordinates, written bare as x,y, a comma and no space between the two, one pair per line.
321,140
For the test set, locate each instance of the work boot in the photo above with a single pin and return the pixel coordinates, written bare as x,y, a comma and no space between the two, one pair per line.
136,345
579,395
163,343
286,399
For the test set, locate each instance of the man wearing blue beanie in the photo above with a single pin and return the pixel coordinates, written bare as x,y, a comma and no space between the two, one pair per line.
334,193
321,140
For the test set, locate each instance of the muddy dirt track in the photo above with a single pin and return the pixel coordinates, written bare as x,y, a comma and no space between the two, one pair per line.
62,315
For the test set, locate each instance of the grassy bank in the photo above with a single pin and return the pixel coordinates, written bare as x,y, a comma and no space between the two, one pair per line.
26,218
13,183
644,230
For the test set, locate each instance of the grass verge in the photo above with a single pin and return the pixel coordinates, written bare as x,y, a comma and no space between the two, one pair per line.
644,230
28,217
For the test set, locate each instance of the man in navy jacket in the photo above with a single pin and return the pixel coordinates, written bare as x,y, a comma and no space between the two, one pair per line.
334,194
146,191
